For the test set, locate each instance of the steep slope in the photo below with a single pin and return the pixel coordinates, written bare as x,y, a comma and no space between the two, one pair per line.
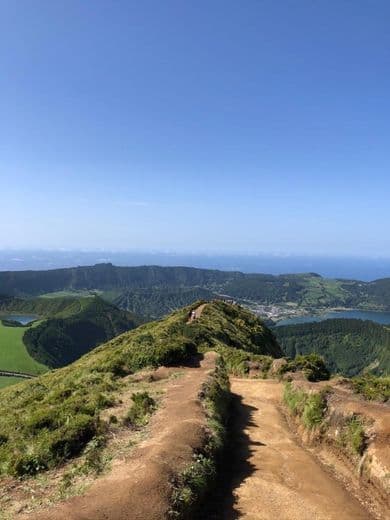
76,330
348,346
50,419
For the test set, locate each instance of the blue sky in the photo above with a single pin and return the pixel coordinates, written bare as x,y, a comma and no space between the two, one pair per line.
228,126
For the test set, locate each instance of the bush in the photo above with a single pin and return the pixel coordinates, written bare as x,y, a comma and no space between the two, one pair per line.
314,410
310,407
372,387
312,365
353,436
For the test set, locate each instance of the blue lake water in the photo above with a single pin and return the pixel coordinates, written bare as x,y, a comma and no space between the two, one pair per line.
24,319
378,317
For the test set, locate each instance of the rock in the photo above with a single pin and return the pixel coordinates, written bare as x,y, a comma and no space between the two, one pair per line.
277,364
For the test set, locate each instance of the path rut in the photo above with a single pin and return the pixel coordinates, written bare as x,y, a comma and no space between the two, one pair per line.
273,477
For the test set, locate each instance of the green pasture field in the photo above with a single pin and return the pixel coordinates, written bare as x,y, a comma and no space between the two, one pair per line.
8,381
71,294
13,353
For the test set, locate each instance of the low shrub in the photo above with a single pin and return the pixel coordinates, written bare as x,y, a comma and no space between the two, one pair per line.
310,407
143,406
372,387
353,436
312,365
191,486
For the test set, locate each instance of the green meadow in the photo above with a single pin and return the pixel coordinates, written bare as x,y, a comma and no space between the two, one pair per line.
8,381
13,353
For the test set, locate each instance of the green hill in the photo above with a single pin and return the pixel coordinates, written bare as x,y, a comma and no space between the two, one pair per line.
43,307
75,330
156,303
51,418
309,290
348,346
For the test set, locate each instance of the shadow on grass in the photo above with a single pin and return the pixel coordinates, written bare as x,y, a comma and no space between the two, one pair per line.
234,468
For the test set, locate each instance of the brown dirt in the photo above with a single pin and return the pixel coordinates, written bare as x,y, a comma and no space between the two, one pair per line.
139,488
274,477
198,312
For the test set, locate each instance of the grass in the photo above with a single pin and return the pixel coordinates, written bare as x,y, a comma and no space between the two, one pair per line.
309,407
312,365
48,420
13,353
372,387
197,480
71,294
8,381
142,408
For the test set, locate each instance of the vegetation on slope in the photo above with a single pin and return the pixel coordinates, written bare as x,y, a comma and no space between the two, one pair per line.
43,307
372,388
235,327
14,356
345,431
156,303
50,419
81,326
348,346
196,481
312,366
308,290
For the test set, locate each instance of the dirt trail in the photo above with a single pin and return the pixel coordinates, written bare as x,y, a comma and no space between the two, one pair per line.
273,476
139,488
198,312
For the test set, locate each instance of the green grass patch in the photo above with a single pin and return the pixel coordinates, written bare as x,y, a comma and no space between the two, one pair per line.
372,387
50,419
310,407
312,365
195,483
143,406
8,381
13,353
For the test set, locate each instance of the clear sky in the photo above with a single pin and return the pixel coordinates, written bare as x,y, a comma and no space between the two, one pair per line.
216,125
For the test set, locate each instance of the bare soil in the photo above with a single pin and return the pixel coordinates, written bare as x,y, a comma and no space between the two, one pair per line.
273,476
138,488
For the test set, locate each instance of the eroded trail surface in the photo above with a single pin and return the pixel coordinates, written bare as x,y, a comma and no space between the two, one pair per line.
273,476
138,488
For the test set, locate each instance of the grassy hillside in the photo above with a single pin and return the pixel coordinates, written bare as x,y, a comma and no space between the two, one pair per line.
13,353
348,346
49,419
78,328
310,290
156,303
43,307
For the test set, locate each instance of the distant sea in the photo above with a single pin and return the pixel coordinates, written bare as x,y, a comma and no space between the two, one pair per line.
366,269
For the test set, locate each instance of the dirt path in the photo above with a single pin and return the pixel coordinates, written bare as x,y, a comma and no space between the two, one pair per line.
273,476
139,488
198,312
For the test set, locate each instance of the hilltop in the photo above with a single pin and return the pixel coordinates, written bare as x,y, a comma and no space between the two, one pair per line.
57,414
307,290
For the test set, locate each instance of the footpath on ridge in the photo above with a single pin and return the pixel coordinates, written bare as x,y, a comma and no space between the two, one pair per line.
271,475
139,488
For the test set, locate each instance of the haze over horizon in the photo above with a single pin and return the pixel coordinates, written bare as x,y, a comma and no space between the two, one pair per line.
359,268
196,126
